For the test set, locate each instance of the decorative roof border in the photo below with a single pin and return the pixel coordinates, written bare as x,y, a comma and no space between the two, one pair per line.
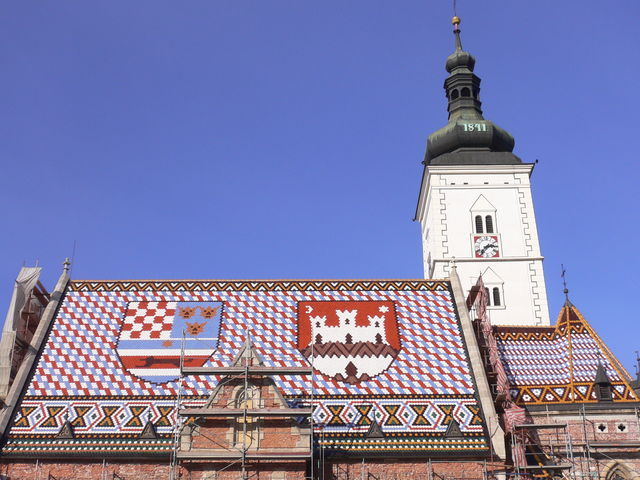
373,396
22,447
467,446
255,285
519,333
578,392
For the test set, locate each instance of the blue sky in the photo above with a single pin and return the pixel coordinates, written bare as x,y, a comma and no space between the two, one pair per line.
283,139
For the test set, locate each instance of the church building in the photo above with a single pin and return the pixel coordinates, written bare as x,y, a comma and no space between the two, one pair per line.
460,375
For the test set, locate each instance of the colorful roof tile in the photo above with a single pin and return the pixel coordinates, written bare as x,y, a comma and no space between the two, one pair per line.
384,352
547,365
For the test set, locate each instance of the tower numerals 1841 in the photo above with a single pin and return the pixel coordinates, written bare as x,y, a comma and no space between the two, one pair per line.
474,127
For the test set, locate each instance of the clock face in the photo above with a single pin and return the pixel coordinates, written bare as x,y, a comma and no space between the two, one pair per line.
485,246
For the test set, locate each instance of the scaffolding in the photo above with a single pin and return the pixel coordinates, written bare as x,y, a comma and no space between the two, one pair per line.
246,410
533,456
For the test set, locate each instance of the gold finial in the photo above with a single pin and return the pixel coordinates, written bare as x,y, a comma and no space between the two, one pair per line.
456,23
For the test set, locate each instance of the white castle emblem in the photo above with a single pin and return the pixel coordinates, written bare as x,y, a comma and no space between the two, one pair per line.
351,341
349,329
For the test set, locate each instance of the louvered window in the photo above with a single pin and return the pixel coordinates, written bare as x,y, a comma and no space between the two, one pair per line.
604,392
489,222
479,224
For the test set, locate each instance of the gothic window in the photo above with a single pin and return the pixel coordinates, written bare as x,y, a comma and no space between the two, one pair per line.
618,472
489,222
465,92
483,216
494,289
245,432
496,296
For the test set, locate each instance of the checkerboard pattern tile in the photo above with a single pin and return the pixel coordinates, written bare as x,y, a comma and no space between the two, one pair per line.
148,320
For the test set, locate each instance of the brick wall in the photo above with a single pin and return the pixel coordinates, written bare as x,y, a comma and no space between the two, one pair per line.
276,433
407,469
613,436
351,469
87,470
84,470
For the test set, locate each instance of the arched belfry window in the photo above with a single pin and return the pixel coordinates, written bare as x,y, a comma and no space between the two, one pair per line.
465,92
483,216
489,223
496,297
454,94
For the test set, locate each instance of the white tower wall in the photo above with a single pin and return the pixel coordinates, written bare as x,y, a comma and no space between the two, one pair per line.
446,212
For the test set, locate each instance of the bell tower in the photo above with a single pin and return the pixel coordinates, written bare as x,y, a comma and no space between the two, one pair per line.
475,206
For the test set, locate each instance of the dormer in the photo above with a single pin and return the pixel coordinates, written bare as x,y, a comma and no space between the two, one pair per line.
602,385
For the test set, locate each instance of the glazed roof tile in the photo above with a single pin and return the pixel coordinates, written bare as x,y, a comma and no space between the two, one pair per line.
112,357
559,364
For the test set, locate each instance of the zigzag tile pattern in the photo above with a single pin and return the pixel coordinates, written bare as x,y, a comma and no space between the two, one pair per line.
338,418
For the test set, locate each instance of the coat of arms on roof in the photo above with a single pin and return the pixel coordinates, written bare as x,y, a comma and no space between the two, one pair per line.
154,335
351,341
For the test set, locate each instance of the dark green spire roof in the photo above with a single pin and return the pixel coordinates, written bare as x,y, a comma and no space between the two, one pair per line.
468,139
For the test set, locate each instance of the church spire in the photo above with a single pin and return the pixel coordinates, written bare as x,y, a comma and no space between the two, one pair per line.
462,85
468,137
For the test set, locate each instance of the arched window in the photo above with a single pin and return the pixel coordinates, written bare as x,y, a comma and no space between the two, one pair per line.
245,432
479,224
465,92
496,297
489,221
454,94
618,472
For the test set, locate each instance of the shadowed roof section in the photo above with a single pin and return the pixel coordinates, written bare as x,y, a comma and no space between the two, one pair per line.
560,365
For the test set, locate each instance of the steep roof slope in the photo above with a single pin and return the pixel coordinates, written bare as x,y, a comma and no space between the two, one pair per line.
387,354
556,365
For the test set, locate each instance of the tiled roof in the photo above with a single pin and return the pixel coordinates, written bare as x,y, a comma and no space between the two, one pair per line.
558,364
111,361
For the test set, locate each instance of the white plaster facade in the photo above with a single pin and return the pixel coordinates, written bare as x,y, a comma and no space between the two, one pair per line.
451,197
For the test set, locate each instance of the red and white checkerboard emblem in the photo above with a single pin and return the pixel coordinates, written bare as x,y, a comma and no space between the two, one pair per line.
349,341
148,320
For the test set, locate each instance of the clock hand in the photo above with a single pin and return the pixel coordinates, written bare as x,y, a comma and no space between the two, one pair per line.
486,247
